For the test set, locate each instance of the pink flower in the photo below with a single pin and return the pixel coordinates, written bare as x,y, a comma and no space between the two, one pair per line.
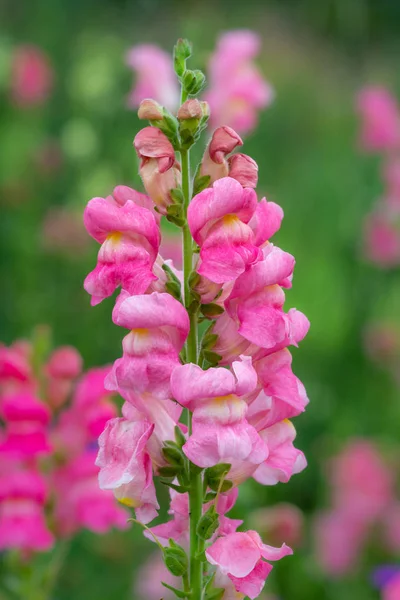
220,430
214,163
237,89
155,76
159,170
283,396
283,521
31,76
80,503
26,419
159,326
362,482
22,520
240,557
125,465
93,402
148,580
64,363
380,125
129,236
382,236
340,538
283,460
14,364
218,220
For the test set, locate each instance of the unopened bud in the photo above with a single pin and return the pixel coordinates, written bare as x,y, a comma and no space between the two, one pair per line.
244,169
191,109
193,81
150,110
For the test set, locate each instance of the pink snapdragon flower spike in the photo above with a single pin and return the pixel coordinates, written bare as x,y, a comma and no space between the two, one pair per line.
220,430
206,407
380,128
244,559
218,220
159,326
22,520
125,466
31,77
237,91
215,163
159,170
283,521
129,236
155,77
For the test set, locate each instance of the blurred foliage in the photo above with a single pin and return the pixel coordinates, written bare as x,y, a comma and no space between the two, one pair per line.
316,54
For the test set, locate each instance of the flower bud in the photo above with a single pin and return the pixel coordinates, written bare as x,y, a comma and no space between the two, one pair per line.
214,163
150,110
244,169
191,109
193,81
151,143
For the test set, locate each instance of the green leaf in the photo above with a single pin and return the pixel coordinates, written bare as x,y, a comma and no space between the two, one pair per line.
175,559
168,471
181,489
209,497
209,341
174,289
178,593
174,456
177,195
211,310
212,357
208,524
179,437
201,182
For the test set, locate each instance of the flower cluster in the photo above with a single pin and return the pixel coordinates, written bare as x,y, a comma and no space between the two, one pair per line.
51,417
206,407
380,133
237,90
363,496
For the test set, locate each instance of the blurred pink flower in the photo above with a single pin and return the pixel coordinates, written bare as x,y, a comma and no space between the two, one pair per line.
280,523
149,577
31,76
237,90
155,76
382,236
380,119
63,231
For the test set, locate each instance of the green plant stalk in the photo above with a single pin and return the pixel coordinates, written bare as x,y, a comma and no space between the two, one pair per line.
196,481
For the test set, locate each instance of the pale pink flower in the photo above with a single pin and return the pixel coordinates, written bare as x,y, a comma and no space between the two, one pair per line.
159,326
64,363
237,91
31,76
130,237
283,396
155,76
339,539
125,465
220,430
242,557
218,219
148,580
159,170
284,460
380,125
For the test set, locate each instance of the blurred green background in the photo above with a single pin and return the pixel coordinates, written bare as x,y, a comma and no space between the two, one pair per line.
317,54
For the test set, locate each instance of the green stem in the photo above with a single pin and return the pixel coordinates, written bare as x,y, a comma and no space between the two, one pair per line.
196,481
